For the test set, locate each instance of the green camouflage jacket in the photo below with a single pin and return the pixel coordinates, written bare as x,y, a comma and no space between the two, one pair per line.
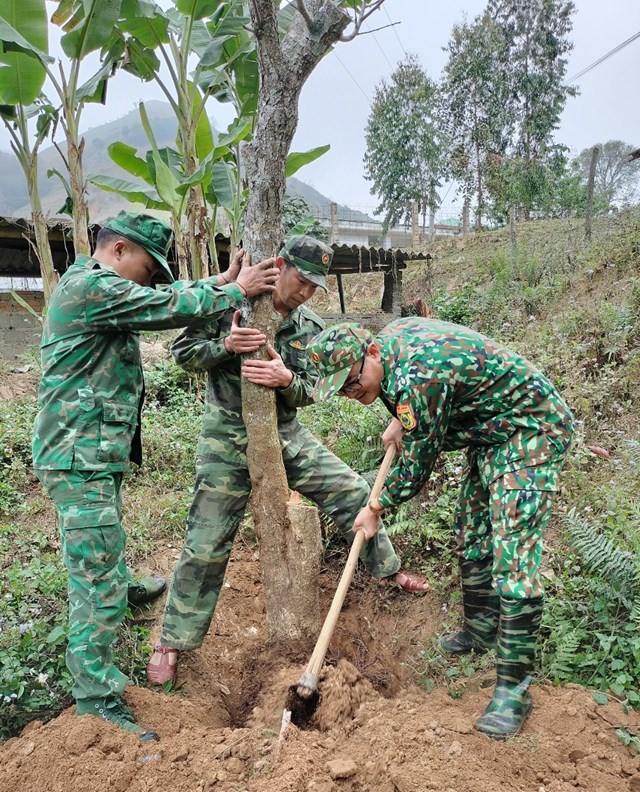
204,350
92,385
453,388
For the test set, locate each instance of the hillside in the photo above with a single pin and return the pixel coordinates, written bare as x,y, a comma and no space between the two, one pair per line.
14,200
401,717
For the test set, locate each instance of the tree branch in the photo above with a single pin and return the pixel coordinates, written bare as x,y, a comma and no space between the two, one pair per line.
304,14
361,15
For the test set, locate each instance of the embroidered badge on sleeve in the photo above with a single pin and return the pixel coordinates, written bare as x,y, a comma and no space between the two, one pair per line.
406,416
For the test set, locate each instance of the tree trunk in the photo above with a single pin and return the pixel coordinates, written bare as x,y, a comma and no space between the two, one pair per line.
284,67
78,187
590,186
40,231
465,216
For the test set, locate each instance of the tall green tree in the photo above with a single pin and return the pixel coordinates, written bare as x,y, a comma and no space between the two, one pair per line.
475,94
404,156
616,180
536,42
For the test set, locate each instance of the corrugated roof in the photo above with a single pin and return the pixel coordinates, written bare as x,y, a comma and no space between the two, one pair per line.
17,258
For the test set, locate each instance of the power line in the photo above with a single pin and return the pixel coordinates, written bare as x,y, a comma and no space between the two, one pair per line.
379,46
353,78
603,58
384,8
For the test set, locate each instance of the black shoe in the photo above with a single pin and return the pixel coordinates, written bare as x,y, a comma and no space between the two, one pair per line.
145,590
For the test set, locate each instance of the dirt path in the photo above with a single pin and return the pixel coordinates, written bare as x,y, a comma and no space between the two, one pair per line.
374,732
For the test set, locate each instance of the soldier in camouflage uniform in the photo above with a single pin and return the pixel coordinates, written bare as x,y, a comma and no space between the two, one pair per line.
222,479
448,388
88,427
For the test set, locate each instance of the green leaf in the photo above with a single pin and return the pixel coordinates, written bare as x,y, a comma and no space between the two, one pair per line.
165,181
126,157
95,88
56,634
94,30
24,304
145,22
222,190
130,191
599,698
197,8
238,130
23,33
297,159
141,61
55,172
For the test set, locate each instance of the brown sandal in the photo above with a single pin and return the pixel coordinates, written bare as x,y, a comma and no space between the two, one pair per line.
163,666
407,581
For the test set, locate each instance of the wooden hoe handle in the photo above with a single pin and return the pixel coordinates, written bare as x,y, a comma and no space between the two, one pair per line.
309,679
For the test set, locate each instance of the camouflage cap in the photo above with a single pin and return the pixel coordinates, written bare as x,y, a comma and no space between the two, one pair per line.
333,353
150,233
311,257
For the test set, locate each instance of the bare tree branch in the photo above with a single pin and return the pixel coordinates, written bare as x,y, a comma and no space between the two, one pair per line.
361,16
375,30
265,29
304,14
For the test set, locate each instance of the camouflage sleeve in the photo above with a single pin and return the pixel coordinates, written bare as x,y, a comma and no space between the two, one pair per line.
298,392
201,349
115,303
424,415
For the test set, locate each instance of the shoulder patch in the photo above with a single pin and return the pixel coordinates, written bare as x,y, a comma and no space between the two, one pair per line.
297,344
406,417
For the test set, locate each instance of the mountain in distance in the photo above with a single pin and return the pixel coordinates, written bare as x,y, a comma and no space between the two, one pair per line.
14,199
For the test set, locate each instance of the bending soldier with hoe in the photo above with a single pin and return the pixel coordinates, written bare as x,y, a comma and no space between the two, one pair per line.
448,387
222,479
88,427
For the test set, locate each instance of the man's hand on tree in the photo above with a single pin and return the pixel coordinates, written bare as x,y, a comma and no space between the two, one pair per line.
243,339
260,278
232,272
270,373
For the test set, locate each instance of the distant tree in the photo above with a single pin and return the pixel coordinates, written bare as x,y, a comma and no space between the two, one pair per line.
405,155
536,41
474,94
617,179
297,219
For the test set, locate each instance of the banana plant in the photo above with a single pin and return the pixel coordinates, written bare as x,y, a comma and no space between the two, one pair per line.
23,32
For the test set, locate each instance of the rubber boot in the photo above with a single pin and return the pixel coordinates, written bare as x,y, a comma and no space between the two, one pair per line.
481,606
511,702
112,709
144,590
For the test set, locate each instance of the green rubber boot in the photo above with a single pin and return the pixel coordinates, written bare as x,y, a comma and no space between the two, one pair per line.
511,702
144,590
481,606
113,710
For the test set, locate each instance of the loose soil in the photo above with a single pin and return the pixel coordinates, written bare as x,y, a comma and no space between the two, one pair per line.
374,728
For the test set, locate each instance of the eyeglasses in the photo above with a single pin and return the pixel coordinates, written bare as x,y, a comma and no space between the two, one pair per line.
350,387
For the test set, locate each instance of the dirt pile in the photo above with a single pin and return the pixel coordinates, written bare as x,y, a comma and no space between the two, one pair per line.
374,728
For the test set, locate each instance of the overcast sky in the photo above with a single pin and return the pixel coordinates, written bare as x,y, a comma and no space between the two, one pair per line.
335,102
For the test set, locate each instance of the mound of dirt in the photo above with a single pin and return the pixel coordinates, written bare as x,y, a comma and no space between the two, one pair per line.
373,728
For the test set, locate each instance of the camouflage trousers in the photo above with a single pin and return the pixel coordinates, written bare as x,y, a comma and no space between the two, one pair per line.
222,490
93,543
505,519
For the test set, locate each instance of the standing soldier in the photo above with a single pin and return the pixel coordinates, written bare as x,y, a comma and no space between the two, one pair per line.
449,388
88,427
222,478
